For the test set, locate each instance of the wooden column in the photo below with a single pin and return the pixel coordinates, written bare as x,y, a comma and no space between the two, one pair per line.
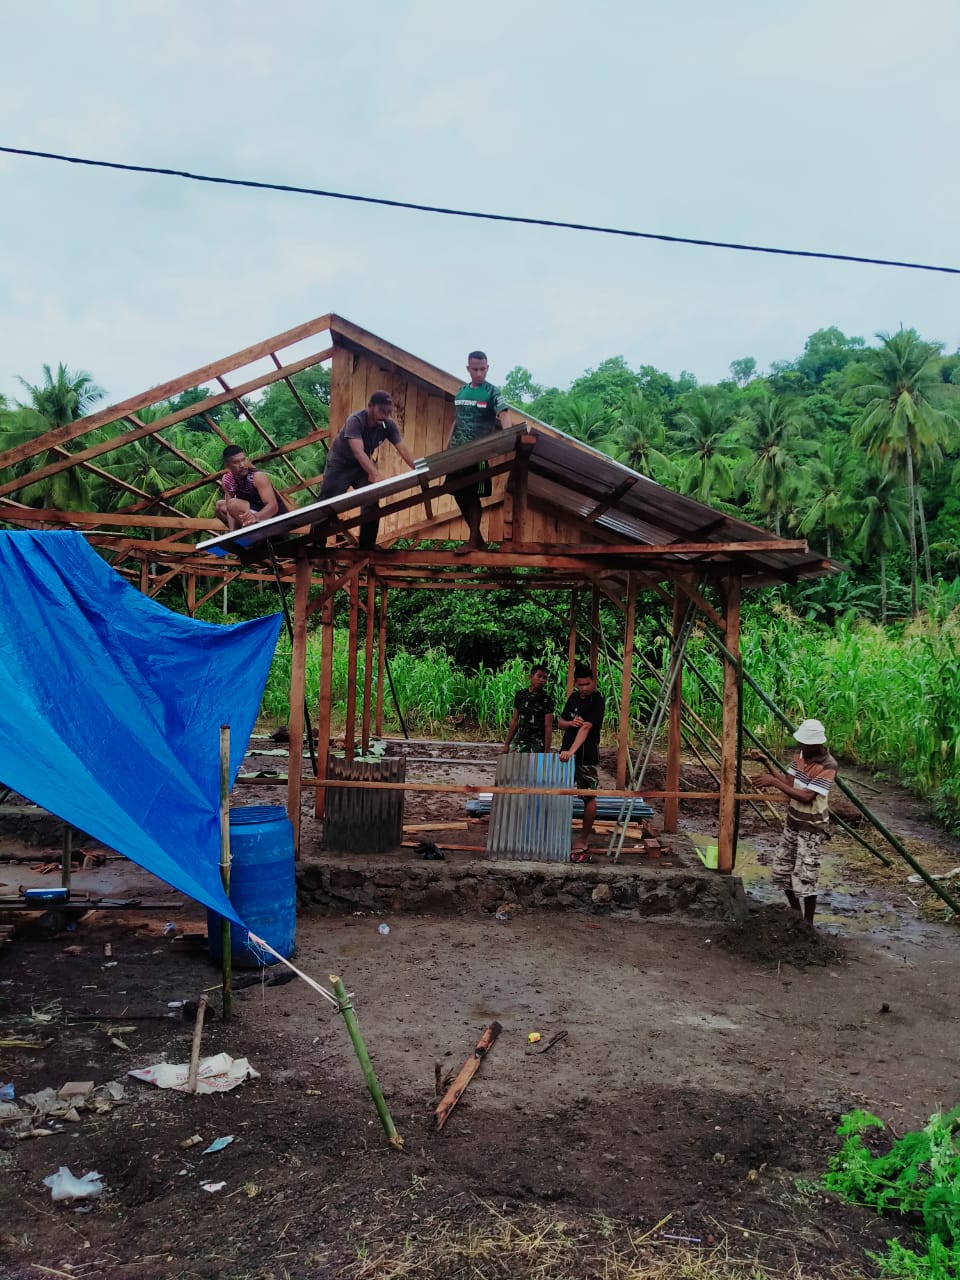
368,663
572,641
145,578
191,593
381,656
326,687
595,630
298,678
350,730
671,807
626,680
727,826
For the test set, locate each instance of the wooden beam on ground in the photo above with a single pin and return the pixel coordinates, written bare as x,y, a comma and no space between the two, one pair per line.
466,1074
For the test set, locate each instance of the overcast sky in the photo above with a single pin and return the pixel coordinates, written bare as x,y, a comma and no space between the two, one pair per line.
822,124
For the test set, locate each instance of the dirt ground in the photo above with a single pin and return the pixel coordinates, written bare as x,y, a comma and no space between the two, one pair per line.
694,1096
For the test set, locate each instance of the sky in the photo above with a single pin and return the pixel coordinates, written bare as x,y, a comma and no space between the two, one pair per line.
815,124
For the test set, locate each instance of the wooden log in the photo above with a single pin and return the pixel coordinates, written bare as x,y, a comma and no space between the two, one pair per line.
466,1074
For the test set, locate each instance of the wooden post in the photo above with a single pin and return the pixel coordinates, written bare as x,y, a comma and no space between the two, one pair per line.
226,952
381,656
671,807
298,679
191,594
195,1044
326,687
594,629
145,577
572,641
626,679
726,824
350,730
368,664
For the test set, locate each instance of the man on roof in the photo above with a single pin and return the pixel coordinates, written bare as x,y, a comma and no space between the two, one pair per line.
480,410
351,464
248,494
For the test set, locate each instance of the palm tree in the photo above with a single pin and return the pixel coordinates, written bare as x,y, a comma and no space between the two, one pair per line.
828,497
584,417
59,400
708,431
638,437
774,425
901,423
881,528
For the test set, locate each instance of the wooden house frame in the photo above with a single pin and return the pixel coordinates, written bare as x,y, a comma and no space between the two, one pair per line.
562,516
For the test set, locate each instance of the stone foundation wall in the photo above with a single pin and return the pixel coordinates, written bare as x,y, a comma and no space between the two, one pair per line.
336,888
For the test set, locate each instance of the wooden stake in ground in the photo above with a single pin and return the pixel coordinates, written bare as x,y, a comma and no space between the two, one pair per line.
195,1045
366,1066
467,1072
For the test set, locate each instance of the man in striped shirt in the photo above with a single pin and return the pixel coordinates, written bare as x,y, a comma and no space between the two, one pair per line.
796,864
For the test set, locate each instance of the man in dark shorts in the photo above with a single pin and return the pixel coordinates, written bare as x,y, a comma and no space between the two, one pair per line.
350,464
480,410
531,725
248,494
581,720
796,864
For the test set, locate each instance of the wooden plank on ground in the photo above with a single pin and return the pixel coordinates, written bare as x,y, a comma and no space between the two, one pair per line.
467,1072
410,827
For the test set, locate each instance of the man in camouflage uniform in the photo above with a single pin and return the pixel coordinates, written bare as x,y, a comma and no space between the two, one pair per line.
531,725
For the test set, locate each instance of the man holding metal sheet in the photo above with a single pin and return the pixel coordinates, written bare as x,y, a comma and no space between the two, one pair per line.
351,465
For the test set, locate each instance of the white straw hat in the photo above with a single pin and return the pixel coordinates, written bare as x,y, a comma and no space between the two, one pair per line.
810,734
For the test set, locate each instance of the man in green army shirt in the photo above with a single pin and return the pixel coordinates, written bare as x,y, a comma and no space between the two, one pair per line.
480,410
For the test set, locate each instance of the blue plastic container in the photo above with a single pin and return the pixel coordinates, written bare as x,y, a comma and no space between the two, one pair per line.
262,886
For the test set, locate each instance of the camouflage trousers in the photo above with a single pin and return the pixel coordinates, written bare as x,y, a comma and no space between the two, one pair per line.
796,864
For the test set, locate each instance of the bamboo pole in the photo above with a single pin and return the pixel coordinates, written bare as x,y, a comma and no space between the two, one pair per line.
225,933
66,860
671,808
626,675
195,1044
297,719
727,818
345,1007
326,688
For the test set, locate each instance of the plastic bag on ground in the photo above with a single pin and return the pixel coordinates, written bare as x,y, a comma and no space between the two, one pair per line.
65,1186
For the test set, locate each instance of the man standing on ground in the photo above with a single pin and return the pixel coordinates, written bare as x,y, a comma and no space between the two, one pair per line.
350,464
248,494
796,864
531,725
581,720
480,410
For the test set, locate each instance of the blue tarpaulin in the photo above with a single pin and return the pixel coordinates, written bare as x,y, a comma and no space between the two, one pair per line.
112,705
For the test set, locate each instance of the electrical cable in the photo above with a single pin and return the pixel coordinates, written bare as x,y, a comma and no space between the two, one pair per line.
518,219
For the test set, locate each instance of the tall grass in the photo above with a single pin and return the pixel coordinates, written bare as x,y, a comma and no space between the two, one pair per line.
890,698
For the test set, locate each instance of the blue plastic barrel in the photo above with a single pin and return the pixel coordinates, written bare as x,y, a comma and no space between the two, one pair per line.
262,886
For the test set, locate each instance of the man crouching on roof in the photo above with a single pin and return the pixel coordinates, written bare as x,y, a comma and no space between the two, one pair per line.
796,864
248,494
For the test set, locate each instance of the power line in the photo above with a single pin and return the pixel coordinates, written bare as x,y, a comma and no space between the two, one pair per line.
473,213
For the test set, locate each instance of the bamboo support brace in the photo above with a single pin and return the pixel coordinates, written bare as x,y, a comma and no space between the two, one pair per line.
366,1066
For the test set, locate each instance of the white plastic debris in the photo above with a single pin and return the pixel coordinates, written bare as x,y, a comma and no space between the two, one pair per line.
65,1186
215,1075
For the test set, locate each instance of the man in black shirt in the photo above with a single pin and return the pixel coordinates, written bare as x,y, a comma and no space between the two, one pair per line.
531,725
581,720
350,464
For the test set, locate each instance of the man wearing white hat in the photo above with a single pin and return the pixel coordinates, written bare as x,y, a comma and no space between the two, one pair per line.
796,864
